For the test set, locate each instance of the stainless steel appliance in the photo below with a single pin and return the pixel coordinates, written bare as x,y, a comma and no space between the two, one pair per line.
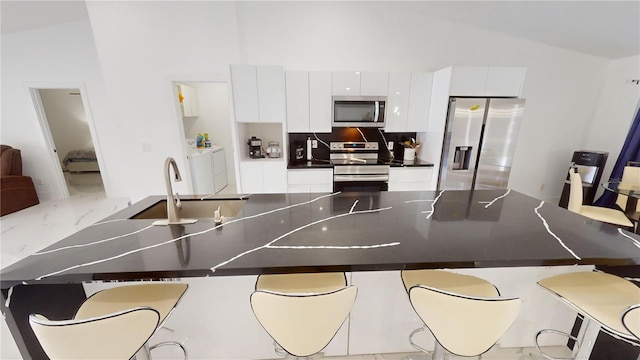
590,165
358,111
255,148
356,167
273,149
480,140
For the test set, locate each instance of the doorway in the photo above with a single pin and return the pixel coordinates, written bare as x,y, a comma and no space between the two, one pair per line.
204,109
66,121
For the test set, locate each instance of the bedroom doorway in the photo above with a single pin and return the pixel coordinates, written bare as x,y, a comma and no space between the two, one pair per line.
64,115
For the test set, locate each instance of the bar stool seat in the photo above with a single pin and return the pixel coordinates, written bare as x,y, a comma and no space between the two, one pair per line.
602,298
302,312
465,314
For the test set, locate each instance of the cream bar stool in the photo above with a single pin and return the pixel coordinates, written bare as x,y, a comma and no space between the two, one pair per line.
603,299
162,297
631,320
302,312
117,335
607,215
465,314
630,176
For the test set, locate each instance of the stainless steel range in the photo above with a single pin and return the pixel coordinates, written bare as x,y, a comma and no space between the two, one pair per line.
356,167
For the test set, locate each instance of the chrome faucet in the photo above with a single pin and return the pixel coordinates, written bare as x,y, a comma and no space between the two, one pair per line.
174,206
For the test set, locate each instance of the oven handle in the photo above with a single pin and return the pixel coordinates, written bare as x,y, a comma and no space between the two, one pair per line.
377,112
337,178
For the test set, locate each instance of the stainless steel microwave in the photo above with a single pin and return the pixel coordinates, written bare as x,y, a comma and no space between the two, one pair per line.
358,111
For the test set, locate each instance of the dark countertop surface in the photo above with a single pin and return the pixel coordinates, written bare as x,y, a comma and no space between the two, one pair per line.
275,233
322,164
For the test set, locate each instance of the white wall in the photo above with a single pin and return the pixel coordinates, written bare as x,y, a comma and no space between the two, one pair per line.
67,121
615,110
143,46
58,56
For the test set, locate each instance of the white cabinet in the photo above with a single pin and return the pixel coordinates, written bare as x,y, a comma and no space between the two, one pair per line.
271,94
188,97
486,81
258,93
320,102
346,83
374,83
309,180
297,95
397,106
408,101
356,83
504,81
419,101
309,104
263,176
411,179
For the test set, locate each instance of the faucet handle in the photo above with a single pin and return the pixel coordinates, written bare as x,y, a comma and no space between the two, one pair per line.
177,199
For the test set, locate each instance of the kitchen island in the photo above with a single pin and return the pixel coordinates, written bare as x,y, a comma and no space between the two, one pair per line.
279,233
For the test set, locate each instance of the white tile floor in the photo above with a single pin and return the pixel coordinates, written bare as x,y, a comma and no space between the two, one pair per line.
29,230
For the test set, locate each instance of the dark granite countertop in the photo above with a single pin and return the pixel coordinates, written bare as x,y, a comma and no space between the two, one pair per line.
406,163
313,164
275,233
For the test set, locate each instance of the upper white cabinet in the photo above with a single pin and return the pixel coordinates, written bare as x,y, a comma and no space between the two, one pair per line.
397,106
188,97
374,83
297,95
356,83
320,103
486,81
308,101
258,93
408,101
346,83
419,101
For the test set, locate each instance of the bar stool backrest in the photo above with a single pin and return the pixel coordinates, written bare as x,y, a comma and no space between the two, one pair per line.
630,176
464,325
631,320
303,324
302,282
112,336
575,193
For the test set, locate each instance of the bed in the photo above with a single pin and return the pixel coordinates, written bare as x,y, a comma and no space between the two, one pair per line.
82,160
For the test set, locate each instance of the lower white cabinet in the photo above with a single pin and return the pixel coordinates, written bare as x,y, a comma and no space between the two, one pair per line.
411,179
309,180
263,176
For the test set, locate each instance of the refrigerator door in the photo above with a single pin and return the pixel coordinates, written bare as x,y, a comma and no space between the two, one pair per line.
461,143
502,126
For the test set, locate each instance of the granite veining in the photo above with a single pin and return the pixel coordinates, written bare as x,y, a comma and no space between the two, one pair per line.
276,233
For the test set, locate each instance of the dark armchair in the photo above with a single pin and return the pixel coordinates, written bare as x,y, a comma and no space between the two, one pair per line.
16,191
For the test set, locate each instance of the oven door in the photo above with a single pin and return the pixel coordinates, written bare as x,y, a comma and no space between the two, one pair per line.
359,183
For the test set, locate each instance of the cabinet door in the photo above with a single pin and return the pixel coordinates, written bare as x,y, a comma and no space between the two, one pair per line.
251,177
245,93
374,83
468,81
320,101
310,180
346,83
410,179
297,90
504,81
419,102
397,106
274,177
271,94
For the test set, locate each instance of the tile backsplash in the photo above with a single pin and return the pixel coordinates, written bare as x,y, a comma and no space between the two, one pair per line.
348,134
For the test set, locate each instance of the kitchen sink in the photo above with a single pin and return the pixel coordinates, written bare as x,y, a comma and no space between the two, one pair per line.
196,209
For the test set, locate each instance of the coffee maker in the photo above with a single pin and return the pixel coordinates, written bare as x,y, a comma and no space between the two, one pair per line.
255,148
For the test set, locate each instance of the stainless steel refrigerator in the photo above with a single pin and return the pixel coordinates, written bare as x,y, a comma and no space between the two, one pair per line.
479,143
